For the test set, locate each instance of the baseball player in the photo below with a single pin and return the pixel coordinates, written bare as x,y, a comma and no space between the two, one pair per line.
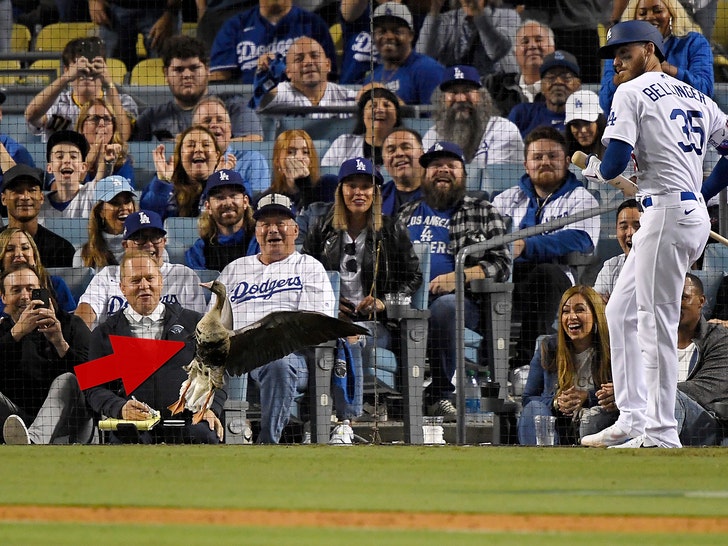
666,125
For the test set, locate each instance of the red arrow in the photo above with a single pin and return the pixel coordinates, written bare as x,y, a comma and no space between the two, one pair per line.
133,360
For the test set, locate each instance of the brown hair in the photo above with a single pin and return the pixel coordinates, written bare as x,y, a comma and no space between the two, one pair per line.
187,191
95,252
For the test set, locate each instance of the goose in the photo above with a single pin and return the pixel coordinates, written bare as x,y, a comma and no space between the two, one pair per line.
219,349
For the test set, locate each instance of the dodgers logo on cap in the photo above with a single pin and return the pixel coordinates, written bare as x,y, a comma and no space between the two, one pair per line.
143,218
360,165
458,74
224,176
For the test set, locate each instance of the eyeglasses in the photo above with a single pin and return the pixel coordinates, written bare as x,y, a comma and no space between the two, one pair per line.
566,77
96,120
144,239
351,265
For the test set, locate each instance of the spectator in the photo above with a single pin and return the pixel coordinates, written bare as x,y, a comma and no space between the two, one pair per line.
108,152
628,222
378,113
466,116
585,123
17,247
277,279
11,152
66,153
22,195
214,14
570,376
307,68
574,23
560,77
296,172
148,317
481,34
533,41
186,68
359,51
227,228
249,41
401,153
372,253
450,220
541,272
114,202
176,189
144,231
121,22
688,56
410,75
39,348
252,166
82,79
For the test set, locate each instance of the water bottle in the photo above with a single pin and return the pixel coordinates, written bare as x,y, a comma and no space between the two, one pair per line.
488,390
472,398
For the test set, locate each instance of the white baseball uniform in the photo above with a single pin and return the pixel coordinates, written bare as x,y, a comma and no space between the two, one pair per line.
180,284
669,124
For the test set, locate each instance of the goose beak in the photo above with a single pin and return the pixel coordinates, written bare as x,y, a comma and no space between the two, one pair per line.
207,285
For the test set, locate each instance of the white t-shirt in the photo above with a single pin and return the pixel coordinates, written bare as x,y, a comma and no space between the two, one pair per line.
501,143
180,285
608,274
670,125
684,356
296,283
343,148
79,207
335,95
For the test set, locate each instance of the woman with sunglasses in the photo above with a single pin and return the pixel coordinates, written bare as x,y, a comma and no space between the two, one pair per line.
108,151
372,253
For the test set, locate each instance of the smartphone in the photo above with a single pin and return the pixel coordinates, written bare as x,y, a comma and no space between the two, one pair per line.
43,295
89,49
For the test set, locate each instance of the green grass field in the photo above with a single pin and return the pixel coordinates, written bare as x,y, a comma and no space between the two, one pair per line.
468,480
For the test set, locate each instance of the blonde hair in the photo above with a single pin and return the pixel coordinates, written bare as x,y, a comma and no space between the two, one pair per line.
682,23
5,237
280,146
116,137
340,220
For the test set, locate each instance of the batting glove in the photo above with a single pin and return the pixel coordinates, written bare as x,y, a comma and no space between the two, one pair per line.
591,171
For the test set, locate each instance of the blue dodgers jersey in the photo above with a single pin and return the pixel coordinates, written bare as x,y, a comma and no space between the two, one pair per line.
244,38
414,81
358,49
430,226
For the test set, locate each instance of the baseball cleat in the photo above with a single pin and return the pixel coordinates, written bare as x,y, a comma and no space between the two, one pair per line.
610,436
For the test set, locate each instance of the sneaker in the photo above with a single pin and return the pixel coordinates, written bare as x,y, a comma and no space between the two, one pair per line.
443,408
634,443
15,432
610,436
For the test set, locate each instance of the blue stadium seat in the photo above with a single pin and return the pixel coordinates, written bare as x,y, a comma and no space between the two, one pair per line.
77,278
500,176
74,230
181,235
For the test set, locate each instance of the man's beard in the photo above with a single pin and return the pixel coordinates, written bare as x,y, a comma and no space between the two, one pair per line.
466,133
442,199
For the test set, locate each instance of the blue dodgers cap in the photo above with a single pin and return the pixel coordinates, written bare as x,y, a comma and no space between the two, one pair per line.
560,58
111,186
274,202
144,219
361,166
460,73
442,149
223,177
629,32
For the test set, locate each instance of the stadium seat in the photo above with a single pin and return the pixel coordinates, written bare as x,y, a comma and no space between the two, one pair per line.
55,36
181,235
20,38
498,177
44,64
148,72
74,230
77,278
9,79
189,29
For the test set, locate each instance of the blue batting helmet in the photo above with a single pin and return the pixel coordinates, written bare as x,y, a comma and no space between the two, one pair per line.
630,32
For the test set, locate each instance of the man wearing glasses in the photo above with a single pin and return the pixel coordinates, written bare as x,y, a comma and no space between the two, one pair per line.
560,77
279,278
143,231
21,194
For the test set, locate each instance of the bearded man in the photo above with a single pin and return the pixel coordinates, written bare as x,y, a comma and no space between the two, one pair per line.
466,116
449,220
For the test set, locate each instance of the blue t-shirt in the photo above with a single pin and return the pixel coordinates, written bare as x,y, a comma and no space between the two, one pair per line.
358,49
17,151
245,37
427,225
414,81
529,115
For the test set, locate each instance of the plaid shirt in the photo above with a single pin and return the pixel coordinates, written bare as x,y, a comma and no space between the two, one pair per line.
474,221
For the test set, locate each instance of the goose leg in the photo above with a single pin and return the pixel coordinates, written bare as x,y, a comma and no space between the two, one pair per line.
179,405
200,414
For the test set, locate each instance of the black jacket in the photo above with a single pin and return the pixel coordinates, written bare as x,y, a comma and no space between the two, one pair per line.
162,388
399,268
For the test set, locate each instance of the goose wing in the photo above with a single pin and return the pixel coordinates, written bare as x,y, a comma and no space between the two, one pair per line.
281,333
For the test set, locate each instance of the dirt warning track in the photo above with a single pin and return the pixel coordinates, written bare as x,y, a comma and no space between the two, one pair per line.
365,520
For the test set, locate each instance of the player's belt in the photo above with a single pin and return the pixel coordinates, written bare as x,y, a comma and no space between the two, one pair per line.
668,199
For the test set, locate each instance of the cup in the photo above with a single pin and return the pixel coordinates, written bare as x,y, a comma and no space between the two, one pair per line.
397,299
545,426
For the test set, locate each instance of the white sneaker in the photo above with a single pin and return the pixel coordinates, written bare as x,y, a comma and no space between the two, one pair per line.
610,436
634,443
15,432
